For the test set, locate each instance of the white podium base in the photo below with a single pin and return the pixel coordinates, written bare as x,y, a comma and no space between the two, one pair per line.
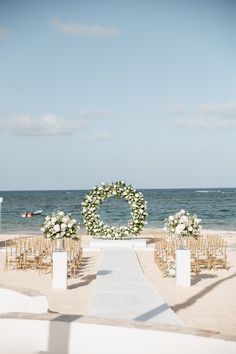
59,273
183,268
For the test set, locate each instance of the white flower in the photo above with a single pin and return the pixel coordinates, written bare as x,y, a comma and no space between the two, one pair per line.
59,225
53,220
182,224
179,229
56,228
63,226
184,220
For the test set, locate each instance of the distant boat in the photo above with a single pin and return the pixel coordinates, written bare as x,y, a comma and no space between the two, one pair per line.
29,214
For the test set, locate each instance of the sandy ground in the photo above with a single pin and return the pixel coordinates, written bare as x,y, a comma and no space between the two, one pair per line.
208,304
78,296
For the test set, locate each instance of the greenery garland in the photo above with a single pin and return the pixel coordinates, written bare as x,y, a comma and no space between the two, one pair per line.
98,195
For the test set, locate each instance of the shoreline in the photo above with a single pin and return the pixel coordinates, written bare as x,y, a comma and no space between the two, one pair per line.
147,231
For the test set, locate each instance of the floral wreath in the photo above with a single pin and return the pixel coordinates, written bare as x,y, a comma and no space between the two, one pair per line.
98,195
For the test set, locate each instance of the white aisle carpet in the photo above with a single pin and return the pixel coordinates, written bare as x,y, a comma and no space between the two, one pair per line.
123,292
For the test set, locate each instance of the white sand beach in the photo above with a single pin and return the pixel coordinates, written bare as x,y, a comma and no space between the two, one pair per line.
208,304
210,301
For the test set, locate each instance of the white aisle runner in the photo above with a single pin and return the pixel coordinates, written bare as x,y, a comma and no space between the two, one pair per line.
123,292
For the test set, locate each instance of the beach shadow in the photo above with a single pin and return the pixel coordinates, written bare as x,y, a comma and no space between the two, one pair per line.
84,265
149,240
59,334
200,277
104,272
152,313
87,279
83,281
203,292
86,260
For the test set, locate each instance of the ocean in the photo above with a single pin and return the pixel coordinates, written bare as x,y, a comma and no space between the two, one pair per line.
216,207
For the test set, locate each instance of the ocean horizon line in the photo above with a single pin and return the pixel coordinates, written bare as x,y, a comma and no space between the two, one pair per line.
139,188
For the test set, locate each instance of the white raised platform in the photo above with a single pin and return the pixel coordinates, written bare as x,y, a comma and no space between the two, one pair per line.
74,334
104,243
22,301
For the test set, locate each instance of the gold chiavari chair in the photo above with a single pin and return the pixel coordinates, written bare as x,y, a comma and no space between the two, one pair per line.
164,253
206,253
161,254
44,258
202,254
31,254
218,255
74,254
194,259
12,256
35,252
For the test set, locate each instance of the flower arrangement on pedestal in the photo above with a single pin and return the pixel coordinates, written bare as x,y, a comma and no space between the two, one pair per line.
98,195
183,224
60,225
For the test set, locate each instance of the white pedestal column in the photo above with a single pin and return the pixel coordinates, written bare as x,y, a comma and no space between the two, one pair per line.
183,268
59,274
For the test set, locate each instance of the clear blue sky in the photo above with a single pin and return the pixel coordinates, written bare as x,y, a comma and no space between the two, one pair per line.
93,90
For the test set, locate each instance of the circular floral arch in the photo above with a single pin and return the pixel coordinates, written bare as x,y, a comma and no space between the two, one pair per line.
93,200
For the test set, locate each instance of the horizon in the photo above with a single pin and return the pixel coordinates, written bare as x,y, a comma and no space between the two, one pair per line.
137,188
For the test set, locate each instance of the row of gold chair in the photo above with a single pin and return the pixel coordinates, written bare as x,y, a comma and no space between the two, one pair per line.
206,252
36,252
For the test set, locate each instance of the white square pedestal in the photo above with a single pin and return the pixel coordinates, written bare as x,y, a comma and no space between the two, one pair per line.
59,273
183,268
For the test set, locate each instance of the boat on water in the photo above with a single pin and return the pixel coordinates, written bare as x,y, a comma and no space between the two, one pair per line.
29,214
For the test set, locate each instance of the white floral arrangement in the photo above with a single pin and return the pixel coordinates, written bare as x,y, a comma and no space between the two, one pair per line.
98,195
60,225
183,224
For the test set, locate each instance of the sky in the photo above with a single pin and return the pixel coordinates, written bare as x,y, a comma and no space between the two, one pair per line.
95,91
